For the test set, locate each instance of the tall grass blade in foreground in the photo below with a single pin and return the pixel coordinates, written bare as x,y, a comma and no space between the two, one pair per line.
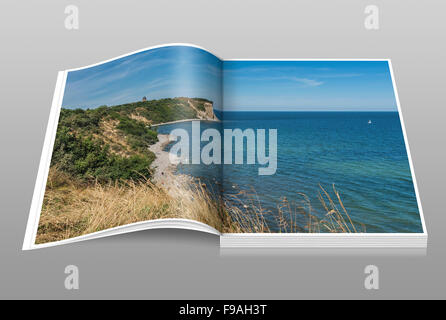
72,208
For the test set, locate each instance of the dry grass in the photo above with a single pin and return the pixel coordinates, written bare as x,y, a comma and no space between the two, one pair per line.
114,138
72,209
248,215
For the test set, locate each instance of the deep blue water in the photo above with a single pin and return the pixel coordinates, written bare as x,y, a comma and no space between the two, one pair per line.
367,163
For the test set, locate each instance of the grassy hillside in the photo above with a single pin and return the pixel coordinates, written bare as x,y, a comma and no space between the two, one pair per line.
100,178
111,143
100,174
159,111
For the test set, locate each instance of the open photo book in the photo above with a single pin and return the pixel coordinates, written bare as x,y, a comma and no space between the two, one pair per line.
262,153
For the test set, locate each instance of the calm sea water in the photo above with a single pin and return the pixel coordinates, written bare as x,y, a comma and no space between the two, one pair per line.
367,163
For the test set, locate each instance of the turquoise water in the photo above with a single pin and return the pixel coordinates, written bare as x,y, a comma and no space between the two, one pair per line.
367,163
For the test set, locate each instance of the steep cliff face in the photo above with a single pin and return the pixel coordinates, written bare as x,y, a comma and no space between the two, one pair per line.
210,111
203,108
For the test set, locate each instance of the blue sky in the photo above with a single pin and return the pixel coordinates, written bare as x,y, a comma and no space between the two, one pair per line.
308,85
165,72
247,85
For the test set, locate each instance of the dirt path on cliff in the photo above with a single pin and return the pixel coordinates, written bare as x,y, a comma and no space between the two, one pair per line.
200,114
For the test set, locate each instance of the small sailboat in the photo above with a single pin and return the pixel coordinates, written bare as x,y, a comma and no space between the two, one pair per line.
370,122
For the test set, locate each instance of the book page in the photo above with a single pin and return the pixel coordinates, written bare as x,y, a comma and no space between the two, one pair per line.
316,147
175,137
119,149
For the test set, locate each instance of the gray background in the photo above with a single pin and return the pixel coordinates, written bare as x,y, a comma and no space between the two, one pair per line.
181,264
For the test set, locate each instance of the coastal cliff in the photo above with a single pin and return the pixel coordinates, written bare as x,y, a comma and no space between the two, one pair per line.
108,168
203,107
113,142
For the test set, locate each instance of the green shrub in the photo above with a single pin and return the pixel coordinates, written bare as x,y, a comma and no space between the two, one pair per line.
86,159
80,148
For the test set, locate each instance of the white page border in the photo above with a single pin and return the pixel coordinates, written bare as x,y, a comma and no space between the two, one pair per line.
37,201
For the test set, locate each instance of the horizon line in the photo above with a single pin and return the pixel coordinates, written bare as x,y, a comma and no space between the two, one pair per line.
308,110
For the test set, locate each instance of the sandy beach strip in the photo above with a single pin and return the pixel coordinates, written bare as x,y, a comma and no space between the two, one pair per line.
161,165
164,171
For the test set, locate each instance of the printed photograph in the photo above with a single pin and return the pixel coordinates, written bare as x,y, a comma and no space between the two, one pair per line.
259,146
342,163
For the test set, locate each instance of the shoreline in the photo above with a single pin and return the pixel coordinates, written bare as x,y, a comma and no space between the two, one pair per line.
164,171
161,165
184,120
